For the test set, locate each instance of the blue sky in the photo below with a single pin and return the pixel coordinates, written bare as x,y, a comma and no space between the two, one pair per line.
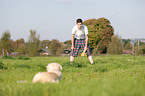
54,19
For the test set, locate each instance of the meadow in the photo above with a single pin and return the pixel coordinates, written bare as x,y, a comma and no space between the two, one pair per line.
111,75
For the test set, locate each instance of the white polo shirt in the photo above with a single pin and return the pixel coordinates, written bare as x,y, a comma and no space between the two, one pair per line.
80,34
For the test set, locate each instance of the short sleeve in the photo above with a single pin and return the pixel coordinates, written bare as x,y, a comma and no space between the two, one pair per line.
74,30
86,30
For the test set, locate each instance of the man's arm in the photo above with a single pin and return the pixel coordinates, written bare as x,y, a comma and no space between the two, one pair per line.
72,41
86,43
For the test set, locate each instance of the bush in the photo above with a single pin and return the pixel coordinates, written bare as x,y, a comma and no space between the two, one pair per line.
115,46
7,57
2,66
138,50
95,52
143,50
19,58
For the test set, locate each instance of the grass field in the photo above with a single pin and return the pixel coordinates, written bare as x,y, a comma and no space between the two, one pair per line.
111,75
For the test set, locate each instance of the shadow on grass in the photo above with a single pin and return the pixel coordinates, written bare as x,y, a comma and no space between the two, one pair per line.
74,64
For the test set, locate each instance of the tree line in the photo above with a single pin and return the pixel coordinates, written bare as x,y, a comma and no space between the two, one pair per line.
30,47
101,39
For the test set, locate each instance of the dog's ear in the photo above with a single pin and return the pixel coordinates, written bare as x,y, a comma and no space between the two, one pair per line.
48,67
60,67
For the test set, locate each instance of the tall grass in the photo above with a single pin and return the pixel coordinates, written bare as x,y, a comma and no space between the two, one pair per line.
112,75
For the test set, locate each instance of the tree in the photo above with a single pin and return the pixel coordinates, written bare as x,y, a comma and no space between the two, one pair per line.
115,46
19,46
60,51
128,46
54,46
138,48
5,42
0,47
138,43
68,42
33,43
45,43
125,41
100,32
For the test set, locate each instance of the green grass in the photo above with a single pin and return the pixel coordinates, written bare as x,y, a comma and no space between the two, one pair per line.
111,75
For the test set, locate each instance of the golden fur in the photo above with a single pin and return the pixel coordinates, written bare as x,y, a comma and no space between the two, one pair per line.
52,75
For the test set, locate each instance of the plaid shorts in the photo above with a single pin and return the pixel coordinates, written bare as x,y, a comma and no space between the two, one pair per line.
80,43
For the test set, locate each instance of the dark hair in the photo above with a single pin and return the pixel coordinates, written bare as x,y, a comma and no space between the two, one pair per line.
79,21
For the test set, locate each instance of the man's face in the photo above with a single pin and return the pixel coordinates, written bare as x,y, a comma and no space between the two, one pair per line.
79,25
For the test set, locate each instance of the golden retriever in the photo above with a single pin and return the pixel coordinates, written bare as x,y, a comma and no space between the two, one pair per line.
53,74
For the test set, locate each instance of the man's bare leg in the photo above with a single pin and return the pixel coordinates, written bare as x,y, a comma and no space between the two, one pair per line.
72,58
91,59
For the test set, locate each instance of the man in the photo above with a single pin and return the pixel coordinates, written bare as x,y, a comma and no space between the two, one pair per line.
81,33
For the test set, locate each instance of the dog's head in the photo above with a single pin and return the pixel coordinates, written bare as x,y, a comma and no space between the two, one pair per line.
54,66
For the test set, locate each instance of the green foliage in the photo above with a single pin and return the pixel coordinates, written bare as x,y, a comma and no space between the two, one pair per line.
139,47
19,46
0,47
2,66
100,32
138,50
7,57
16,58
115,46
139,43
68,42
59,51
45,43
33,43
54,46
128,46
95,52
5,42
125,41
143,50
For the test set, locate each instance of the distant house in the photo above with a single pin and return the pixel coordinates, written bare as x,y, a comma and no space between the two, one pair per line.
142,41
128,52
66,51
44,52
14,53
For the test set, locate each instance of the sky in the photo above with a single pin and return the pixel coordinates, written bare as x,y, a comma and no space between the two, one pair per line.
54,19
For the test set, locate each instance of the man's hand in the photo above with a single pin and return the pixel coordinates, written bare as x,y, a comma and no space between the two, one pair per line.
72,48
85,49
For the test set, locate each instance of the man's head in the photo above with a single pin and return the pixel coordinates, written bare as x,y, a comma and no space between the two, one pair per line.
79,23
